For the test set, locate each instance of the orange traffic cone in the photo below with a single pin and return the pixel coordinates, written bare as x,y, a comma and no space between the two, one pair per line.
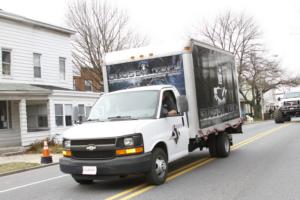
46,157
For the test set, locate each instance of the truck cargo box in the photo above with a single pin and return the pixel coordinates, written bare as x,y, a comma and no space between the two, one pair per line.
205,74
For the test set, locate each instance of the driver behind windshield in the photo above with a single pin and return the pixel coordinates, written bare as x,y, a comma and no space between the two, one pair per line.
168,105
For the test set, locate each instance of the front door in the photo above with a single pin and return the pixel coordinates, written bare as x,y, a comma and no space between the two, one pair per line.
175,127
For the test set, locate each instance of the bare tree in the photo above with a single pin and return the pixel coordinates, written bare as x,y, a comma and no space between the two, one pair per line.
100,28
241,36
260,76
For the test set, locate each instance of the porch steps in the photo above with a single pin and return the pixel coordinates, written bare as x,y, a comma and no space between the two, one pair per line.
10,151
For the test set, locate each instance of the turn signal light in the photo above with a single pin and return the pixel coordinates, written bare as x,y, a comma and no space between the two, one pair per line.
67,153
122,152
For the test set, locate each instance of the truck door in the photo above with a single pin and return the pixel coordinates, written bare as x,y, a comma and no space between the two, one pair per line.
175,124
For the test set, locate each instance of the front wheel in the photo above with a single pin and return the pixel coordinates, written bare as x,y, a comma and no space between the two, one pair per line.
159,167
278,116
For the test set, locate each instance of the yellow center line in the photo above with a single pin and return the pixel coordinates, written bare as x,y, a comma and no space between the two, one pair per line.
137,190
126,192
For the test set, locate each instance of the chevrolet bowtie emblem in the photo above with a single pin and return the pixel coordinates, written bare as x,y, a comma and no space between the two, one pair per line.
91,147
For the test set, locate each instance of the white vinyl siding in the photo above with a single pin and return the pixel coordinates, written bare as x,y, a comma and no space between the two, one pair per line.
25,40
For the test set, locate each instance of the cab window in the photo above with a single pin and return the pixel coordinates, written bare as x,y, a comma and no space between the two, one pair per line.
169,107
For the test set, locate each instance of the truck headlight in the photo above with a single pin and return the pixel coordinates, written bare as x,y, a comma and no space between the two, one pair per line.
67,144
128,142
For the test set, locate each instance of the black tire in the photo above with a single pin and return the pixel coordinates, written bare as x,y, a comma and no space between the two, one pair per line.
219,146
287,119
223,145
212,147
278,117
159,167
82,181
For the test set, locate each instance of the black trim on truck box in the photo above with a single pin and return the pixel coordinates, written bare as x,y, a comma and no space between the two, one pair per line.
118,166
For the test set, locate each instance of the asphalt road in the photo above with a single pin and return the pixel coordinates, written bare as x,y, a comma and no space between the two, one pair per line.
264,164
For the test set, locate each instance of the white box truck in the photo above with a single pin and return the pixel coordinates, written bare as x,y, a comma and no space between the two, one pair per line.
160,103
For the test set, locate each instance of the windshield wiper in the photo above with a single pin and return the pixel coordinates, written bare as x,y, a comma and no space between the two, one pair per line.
121,118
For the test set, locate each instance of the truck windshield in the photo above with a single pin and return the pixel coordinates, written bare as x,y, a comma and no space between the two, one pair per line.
292,95
125,105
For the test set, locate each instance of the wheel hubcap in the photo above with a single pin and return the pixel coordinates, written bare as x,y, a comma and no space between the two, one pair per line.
160,167
227,145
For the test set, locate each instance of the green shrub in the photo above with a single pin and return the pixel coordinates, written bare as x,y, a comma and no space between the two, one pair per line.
37,146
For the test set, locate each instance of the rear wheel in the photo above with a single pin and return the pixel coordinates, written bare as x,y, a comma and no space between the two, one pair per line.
212,147
159,167
219,146
278,116
82,181
223,145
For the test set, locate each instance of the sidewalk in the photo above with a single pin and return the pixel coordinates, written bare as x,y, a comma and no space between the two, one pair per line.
31,158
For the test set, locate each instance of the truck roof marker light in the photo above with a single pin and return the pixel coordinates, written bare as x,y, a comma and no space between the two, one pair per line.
141,56
123,152
150,54
132,57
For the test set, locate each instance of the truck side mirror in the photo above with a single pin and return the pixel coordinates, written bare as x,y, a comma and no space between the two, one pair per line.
182,104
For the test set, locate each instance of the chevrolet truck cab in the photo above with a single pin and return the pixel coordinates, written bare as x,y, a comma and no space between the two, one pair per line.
128,132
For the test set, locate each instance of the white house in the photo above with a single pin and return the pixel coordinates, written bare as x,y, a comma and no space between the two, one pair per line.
36,81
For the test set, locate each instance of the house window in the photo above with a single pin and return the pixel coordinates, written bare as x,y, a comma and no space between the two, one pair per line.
5,115
88,85
6,61
59,117
74,84
37,65
81,113
42,121
68,114
62,68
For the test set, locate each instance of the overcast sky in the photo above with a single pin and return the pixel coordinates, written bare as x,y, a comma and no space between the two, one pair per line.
163,20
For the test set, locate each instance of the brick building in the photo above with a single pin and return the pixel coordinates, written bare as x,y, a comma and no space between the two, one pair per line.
88,80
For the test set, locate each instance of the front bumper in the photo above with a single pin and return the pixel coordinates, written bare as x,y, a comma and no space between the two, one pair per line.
118,166
291,111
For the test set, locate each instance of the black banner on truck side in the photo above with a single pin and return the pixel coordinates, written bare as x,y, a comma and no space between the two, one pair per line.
155,71
216,86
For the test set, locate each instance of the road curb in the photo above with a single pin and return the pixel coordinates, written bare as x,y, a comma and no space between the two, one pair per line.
28,169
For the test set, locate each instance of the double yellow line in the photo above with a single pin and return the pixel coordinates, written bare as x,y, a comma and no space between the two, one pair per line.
142,188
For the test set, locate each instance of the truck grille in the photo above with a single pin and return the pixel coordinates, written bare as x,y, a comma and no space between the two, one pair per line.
94,154
94,141
291,103
93,149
